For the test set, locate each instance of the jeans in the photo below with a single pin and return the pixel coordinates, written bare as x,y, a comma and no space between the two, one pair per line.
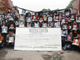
67,46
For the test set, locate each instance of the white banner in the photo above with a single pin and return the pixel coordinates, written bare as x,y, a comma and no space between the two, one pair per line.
38,39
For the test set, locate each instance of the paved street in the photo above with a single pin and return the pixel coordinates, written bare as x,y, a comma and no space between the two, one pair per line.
10,54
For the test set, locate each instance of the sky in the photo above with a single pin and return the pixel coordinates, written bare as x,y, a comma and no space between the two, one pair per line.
38,5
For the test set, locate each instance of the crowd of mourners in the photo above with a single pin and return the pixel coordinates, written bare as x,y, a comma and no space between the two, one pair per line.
68,22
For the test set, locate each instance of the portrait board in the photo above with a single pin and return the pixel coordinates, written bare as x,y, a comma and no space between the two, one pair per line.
21,24
4,29
50,24
72,17
78,19
21,17
29,25
75,26
34,17
50,19
57,18
63,21
11,39
57,24
75,41
64,26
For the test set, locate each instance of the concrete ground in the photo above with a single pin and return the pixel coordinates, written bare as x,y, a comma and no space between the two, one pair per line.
10,54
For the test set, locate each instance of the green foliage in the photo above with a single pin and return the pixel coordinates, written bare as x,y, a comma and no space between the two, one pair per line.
45,10
71,4
28,12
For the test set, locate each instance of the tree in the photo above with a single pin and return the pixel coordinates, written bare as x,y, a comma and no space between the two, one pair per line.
71,4
45,10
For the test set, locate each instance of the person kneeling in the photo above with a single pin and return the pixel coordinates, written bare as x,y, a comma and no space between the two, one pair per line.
10,39
1,41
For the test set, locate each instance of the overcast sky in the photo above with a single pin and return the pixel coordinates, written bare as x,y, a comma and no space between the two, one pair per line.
38,5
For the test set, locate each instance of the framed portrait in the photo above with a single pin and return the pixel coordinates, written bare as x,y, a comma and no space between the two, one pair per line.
64,26
72,17
75,41
11,26
21,17
63,15
67,13
50,19
34,17
4,29
50,24
36,24
2,15
75,26
63,21
44,24
57,24
51,14
21,24
41,19
64,32
44,17
69,26
16,23
28,19
11,39
78,19
67,19
69,37
24,11
28,24
57,18
8,14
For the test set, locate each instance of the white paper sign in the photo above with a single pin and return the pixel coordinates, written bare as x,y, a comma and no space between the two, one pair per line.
38,39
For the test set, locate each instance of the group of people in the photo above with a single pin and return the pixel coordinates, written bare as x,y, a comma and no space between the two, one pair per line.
69,24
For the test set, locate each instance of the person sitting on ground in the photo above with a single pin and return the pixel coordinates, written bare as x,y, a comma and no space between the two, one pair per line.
10,39
1,40
68,41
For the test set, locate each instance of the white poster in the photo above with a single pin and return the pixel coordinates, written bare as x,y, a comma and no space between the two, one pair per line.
38,39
